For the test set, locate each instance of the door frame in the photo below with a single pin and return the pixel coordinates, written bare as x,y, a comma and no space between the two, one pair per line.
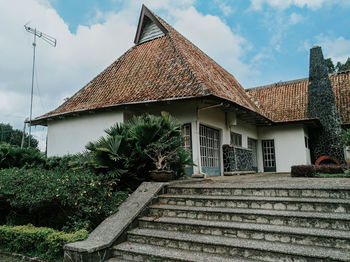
255,151
211,171
269,168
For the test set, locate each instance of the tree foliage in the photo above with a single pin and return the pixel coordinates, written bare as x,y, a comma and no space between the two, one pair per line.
14,156
14,136
338,67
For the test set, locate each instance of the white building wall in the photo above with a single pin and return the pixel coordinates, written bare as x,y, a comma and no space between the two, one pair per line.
307,149
217,119
246,130
70,135
289,146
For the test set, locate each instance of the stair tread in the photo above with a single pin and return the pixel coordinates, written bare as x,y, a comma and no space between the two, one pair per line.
261,186
113,259
259,198
181,255
250,211
251,226
292,249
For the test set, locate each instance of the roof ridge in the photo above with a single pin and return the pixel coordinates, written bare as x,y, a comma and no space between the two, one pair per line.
204,90
188,69
280,83
173,31
276,84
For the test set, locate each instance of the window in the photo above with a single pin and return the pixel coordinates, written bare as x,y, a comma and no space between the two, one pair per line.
209,146
186,134
307,142
236,139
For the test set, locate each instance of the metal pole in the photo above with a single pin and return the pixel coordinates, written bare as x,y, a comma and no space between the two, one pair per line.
23,134
31,93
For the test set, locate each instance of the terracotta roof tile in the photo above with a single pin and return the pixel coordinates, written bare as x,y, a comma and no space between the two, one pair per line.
168,67
287,101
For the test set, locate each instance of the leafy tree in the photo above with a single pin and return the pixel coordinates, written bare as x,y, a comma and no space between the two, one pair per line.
330,65
338,67
343,67
14,136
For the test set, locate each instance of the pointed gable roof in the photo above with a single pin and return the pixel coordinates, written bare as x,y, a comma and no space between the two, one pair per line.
161,66
149,27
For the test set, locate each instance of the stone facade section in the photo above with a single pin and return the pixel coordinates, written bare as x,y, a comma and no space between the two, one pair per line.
321,105
237,159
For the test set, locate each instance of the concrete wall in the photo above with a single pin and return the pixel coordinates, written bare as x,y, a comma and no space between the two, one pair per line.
289,146
70,135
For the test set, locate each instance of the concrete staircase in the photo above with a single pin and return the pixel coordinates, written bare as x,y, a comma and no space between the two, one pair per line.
210,222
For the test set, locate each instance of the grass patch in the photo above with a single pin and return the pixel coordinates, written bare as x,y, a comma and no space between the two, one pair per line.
325,175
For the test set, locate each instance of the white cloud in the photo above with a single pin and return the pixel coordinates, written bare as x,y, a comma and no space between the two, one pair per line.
216,39
284,4
336,48
61,71
295,18
225,9
80,56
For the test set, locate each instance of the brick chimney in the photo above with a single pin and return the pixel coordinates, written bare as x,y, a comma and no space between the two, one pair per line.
321,105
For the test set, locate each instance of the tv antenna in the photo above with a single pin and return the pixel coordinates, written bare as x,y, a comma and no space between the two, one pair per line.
48,39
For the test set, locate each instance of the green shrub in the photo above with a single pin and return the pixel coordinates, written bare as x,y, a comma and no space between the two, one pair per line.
13,156
303,171
37,241
126,152
345,137
312,170
59,198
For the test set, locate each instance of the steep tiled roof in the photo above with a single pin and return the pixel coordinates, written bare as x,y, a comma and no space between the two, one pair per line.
169,67
287,101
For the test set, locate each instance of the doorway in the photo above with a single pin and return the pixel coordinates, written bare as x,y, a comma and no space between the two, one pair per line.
269,157
209,139
253,145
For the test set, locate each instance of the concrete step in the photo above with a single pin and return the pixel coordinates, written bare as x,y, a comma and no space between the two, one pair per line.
146,253
336,192
260,202
320,220
284,234
113,259
245,248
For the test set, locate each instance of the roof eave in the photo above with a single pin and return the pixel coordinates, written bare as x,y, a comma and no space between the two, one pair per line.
42,120
311,122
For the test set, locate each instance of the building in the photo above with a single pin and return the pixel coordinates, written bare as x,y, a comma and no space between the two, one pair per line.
265,129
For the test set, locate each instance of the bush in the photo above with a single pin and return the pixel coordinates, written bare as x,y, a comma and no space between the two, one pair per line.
311,170
344,137
13,156
330,169
37,241
125,153
59,198
303,171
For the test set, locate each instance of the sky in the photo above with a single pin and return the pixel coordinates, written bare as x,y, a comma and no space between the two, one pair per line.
258,41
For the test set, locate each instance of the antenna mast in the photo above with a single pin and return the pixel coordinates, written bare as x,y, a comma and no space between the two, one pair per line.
50,40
